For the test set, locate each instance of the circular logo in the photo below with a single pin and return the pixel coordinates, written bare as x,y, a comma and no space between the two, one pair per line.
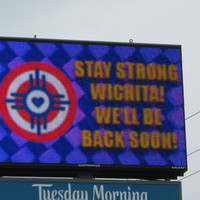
38,102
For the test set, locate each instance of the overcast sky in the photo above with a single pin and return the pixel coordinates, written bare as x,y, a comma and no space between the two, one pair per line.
144,21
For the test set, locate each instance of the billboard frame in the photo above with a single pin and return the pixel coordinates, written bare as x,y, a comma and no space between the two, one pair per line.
62,170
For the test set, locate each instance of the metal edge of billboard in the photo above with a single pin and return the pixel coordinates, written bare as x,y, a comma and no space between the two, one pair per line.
87,42
96,170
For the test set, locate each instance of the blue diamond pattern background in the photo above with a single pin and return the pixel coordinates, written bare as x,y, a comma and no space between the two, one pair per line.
68,148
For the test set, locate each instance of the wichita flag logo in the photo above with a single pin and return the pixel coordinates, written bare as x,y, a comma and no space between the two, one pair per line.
38,102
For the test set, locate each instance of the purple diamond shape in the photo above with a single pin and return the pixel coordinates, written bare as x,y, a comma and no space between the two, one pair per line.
47,49
3,154
181,140
20,48
174,55
176,117
3,132
50,143
50,156
178,158
47,61
102,157
154,158
124,52
98,51
74,137
23,155
80,115
128,158
149,54
175,96
69,69
18,140
78,90
72,50
76,156
15,62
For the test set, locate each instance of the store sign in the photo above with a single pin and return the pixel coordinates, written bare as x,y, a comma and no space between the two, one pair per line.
88,190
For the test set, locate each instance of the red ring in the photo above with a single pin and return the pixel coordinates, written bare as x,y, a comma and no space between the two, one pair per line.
66,124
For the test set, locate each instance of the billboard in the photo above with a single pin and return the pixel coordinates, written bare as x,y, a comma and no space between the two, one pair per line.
92,107
34,189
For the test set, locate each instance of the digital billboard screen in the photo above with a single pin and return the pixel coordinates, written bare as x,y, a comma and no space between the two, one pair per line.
91,108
